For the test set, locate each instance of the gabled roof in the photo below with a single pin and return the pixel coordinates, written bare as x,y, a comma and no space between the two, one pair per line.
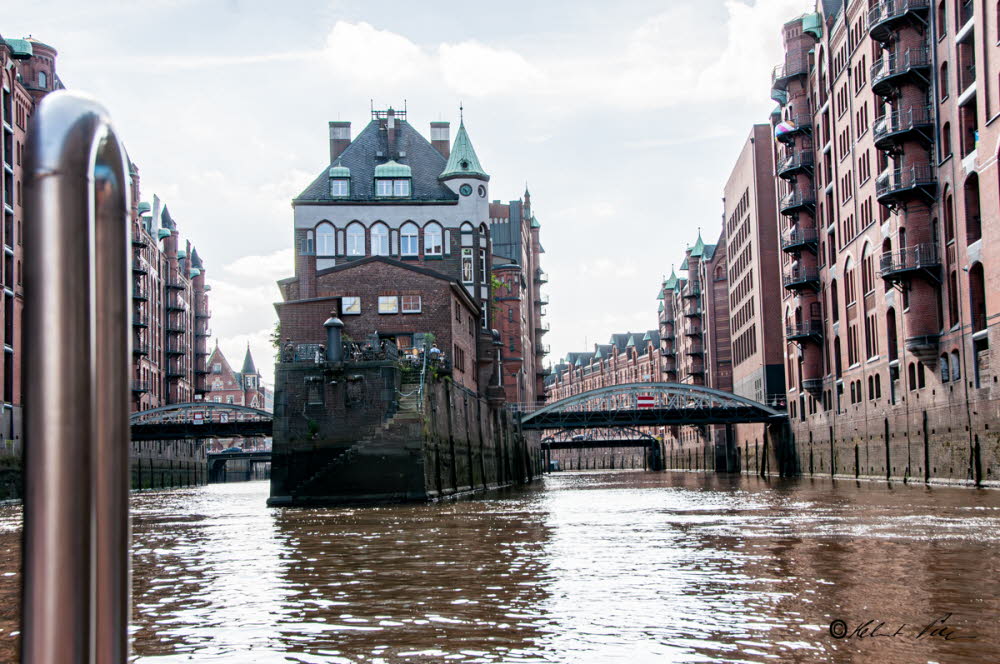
361,158
463,161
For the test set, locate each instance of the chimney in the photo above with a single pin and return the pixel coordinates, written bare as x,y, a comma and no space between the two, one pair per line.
340,138
441,137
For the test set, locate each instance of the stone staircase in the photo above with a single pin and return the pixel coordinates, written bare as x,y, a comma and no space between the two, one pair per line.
407,414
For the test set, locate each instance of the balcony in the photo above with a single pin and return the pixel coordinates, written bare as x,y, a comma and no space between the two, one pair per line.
696,369
798,161
139,239
203,313
140,386
140,293
542,349
176,304
906,183
174,283
813,386
888,16
915,122
692,289
692,331
924,347
920,259
140,320
541,277
174,348
175,327
542,328
695,349
176,371
542,300
811,330
693,311
792,67
896,69
669,351
797,201
801,278
787,130
205,332
139,267
201,369
795,240
140,348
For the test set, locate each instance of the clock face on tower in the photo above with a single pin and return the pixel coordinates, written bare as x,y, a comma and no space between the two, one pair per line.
465,189
482,191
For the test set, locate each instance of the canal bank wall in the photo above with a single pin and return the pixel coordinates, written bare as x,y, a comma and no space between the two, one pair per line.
363,433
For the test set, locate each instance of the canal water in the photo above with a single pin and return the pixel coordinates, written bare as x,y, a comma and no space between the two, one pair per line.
581,567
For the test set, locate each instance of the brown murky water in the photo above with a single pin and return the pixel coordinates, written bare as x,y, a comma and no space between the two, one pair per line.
590,567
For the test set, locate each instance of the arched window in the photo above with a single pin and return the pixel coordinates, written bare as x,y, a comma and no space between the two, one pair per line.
977,297
890,333
912,375
945,140
849,295
956,368
834,301
943,80
973,222
949,217
945,371
867,270
326,244
409,239
921,375
953,298
380,239
355,239
43,81
878,386
432,239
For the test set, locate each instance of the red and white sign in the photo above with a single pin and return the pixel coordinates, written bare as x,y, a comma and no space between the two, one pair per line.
645,401
199,418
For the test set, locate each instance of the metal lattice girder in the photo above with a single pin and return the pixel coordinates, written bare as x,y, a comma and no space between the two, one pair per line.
662,404
210,410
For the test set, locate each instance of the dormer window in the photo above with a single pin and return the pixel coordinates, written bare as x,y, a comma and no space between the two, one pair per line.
340,187
340,181
392,180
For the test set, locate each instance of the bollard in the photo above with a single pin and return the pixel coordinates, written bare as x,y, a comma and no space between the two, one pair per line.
75,597
334,333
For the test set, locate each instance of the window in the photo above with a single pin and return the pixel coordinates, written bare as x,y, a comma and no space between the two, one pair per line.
945,371
409,240
229,398
387,188
340,187
956,369
943,80
388,304
217,399
355,240
380,240
432,240
325,240
482,264
411,304
467,266
217,368
43,81
350,306
459,358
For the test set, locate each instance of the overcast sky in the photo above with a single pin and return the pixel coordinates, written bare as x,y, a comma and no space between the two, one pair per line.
623,118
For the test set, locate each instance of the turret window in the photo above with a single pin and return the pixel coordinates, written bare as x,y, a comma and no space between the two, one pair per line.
340,187
391,188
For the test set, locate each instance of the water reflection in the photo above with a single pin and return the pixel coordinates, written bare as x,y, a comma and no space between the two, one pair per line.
591,567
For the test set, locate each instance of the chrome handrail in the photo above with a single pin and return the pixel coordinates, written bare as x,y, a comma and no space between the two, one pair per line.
75,605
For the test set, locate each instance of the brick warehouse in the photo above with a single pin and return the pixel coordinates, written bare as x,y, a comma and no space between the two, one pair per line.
519,306
241,388
888,189
169,296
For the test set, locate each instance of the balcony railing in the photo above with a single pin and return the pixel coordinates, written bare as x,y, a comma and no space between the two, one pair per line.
204,332
140,320
797,238
176,304
176,371
140,348
897,64
903,181
139,293
885,14
203,313
140,386
541,277
797,200
693,311
139,239
799,123
794,162
542,328
811,329
920,257
174,282
902,122
692,289
174,348
800,277
695,349
791,67
692,331
542,349
175,327
140,267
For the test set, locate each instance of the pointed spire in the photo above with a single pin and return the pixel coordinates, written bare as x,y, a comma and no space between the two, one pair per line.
248,365
699,246
463,161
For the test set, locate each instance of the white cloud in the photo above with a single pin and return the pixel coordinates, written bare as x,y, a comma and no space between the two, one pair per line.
479,70
363,54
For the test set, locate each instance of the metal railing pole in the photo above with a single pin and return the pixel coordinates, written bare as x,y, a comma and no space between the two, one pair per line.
75,606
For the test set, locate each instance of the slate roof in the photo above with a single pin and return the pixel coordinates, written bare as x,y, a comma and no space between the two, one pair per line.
709,251
425,162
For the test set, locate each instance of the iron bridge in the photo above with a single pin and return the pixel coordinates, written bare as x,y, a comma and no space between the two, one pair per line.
647,405
200,419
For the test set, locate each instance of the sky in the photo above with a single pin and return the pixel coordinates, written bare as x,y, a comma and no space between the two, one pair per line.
624,121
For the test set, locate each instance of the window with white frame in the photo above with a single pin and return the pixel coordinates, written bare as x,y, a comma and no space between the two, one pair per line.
340,187
326,244
217,399
432,240
411,304
355,240
229,398
409,239
389,188
217,368
388,304
380,240
350,306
